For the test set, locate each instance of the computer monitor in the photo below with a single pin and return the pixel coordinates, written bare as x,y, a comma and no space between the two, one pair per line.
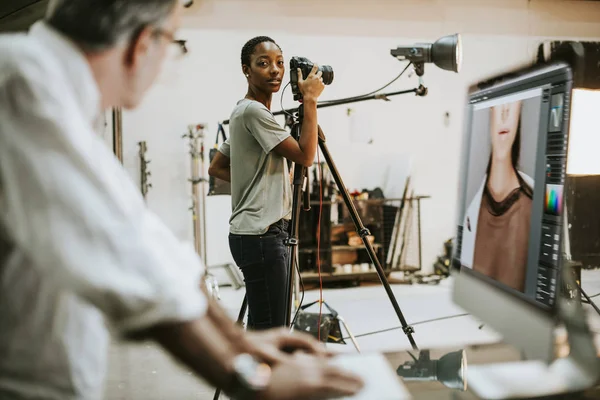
511,203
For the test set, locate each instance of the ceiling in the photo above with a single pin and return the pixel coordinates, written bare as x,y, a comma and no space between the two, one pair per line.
18,15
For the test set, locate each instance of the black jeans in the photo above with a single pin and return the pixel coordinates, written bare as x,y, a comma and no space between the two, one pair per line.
264,262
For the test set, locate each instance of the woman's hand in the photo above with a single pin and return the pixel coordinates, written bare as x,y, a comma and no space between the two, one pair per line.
312,86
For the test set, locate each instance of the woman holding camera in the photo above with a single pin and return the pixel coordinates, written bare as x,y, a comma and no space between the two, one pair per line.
253,159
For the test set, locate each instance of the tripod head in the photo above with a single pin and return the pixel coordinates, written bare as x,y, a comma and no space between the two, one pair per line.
293,119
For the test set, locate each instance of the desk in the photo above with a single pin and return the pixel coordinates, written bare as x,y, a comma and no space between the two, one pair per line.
476,354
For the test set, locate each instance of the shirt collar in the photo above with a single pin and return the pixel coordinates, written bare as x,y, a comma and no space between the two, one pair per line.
75,65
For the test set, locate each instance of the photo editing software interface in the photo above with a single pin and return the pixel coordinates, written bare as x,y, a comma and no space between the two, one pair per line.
511,232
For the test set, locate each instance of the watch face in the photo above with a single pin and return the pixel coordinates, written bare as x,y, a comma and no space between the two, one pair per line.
261,377
256,375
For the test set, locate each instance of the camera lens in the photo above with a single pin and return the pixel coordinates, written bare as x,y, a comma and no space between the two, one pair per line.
327,74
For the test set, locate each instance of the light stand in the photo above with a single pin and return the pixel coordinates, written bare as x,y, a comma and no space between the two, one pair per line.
450,369
195,135
419,91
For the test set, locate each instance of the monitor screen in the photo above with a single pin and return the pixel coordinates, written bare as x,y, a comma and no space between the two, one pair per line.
510,223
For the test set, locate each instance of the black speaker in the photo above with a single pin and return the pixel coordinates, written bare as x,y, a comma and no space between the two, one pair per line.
583,57
583,211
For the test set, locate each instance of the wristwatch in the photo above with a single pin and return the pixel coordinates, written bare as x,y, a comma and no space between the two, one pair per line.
252,377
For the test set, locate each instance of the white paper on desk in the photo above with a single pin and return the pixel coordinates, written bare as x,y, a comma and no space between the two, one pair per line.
381,381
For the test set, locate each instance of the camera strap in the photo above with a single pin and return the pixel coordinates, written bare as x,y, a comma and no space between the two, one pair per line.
333,313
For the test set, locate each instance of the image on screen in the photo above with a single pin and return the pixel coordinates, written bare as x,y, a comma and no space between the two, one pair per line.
556,112
500,187
553,199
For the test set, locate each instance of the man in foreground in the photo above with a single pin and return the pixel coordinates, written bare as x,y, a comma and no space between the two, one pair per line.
79,251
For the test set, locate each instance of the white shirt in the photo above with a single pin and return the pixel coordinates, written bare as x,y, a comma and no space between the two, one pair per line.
79,251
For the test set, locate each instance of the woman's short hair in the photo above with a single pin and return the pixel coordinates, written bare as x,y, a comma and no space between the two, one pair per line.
250,46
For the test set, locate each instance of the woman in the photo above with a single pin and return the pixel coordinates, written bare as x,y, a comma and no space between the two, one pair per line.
253,159
497,221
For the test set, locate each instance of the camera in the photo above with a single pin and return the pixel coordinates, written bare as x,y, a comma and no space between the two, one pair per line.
306,66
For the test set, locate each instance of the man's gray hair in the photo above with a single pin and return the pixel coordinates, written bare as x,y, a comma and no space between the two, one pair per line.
101,24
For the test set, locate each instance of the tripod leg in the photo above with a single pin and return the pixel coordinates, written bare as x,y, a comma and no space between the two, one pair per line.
299,176
239,321
349,332
364,233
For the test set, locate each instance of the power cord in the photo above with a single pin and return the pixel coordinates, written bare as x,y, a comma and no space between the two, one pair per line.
370,93
297,264
416,323
319,241
353,98
281,101
589,299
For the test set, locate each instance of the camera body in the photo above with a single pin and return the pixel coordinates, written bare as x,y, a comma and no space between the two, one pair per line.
306,66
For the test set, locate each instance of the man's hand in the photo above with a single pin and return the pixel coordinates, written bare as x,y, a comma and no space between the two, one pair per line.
303,376
275,345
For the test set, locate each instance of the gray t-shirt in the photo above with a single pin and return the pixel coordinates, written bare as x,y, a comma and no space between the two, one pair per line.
261,192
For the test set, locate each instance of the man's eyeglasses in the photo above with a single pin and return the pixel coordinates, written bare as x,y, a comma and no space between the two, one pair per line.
180,43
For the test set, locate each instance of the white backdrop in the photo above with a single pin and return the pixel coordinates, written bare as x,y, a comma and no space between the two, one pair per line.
420,133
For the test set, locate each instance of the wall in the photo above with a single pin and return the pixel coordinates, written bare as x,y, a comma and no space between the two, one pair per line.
355,38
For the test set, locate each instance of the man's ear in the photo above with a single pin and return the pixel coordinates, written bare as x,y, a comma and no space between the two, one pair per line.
139,46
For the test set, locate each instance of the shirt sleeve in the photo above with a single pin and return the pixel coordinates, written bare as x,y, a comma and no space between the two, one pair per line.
70,207
225,148
264,127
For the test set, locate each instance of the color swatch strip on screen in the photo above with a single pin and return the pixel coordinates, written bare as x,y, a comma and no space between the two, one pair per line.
553,201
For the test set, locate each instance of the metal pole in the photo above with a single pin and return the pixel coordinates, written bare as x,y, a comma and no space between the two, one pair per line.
419,229
419,91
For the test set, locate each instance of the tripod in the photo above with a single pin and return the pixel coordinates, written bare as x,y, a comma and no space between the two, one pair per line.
363,232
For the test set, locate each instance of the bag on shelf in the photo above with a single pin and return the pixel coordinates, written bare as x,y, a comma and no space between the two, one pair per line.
217,186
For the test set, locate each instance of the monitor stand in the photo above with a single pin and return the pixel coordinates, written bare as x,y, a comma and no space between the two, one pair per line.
529,379
578,371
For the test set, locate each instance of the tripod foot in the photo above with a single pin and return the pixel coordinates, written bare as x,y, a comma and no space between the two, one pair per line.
349,333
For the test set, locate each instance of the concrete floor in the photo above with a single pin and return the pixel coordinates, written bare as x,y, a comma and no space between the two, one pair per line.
144,372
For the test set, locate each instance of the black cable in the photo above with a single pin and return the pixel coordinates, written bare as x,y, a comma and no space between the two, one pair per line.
595,295
589,299
420,91
281,100
353,98
416,323
413,357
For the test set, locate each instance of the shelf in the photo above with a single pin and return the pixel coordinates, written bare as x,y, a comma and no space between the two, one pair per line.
341,247
348,247
334,276
361,275
368,201
350,223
